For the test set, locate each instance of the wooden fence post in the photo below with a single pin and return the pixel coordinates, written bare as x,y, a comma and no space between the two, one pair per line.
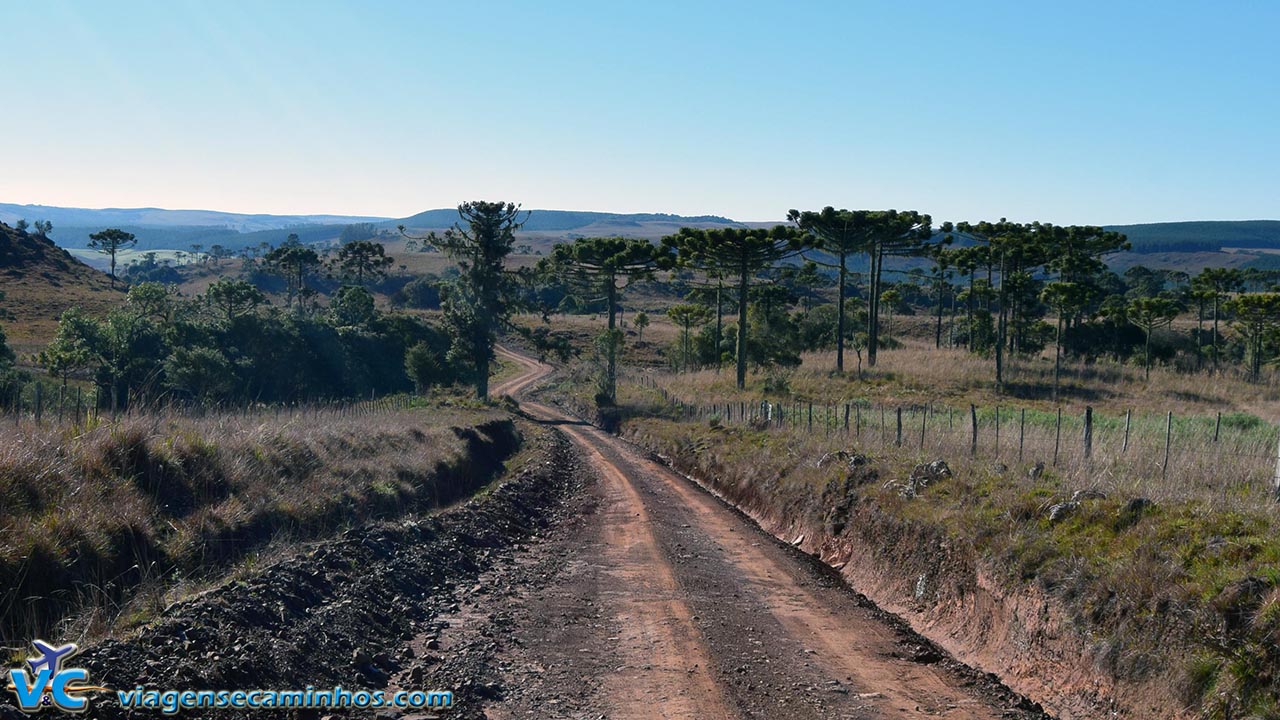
1217,426
973,424
898,442
857,421
1088,431
1125,447
811,416
1022,431
1168,435
924,424
846,419
1057,438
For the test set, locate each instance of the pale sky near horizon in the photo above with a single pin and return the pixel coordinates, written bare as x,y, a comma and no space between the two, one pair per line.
1081,112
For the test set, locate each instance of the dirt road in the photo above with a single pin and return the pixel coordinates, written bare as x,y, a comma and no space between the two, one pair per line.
660,601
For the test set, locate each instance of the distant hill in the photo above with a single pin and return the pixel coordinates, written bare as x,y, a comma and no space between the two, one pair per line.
1201,236
566,220
160,218
40,281
159,229
544,227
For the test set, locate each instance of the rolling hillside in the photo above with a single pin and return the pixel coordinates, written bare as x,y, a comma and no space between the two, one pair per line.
158,217
40,281
1202,236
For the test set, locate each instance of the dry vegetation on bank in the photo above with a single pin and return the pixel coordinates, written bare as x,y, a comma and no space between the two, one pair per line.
94,515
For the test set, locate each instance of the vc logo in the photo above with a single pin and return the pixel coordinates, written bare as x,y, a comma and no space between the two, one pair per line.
49,684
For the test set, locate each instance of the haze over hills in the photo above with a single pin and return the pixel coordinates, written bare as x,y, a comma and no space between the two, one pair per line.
161,229
159,217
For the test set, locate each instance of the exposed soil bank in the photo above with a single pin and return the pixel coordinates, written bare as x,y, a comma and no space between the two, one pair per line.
340,612
946,591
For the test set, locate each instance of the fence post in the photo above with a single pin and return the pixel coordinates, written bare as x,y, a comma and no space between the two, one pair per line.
1088,432
973,424
1217,426
1168,435
810,416
924,420
898,442
857,421
1022,431
62,392
1057,438
1125,447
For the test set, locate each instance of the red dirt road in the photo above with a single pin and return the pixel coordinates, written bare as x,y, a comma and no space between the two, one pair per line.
660,601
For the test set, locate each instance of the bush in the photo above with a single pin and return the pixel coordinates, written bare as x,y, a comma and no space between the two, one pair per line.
422,293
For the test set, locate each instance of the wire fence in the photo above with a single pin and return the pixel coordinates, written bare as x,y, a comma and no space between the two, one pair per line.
1224,457
38,403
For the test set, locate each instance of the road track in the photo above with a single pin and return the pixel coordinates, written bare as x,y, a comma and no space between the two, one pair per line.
670,604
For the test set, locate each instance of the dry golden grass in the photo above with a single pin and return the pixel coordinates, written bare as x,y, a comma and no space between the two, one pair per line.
917,372
90,514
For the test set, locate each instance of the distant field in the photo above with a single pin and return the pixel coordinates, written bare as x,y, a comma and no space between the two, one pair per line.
124,258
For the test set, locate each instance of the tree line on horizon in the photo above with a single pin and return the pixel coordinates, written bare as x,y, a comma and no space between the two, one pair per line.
829,279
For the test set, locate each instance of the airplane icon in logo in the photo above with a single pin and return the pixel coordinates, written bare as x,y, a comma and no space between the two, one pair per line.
50,657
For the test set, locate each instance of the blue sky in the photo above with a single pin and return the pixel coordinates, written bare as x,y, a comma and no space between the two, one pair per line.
1073,112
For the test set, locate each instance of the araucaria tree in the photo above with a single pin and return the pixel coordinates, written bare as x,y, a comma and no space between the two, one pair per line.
837,236
363,260
484,295
891,233
110,242
1066,298
1257,317
641,322
604,266
1150,314
686,317
740,253
293,261
1218,284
